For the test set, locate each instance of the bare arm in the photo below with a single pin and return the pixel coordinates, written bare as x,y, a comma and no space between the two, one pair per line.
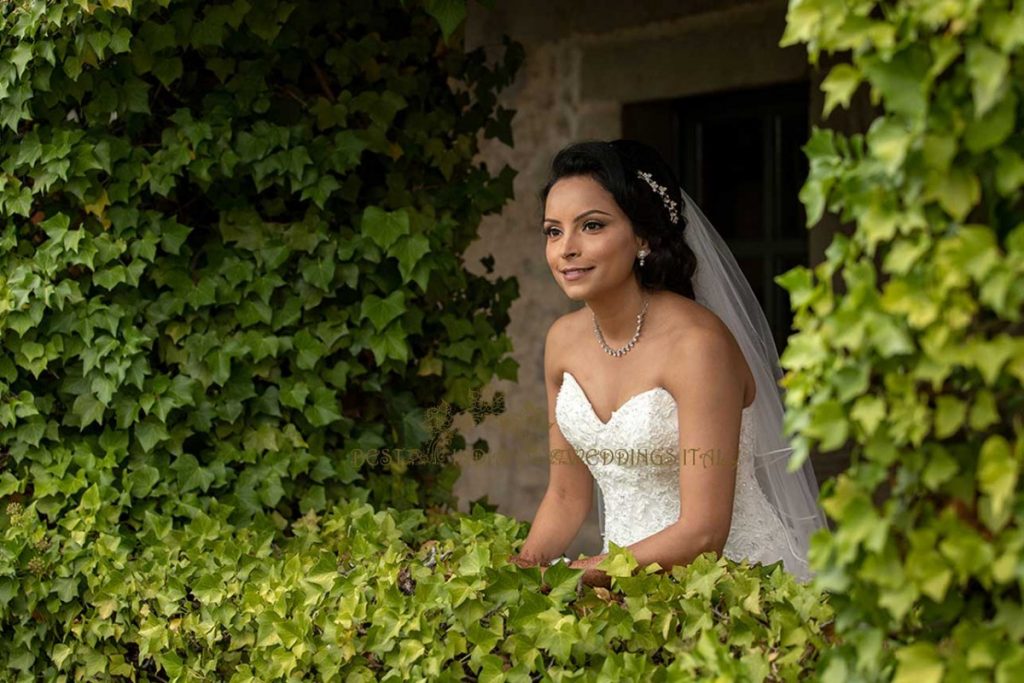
709,391
570,491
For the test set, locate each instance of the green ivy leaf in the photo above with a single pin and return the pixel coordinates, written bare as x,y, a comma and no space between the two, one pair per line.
391,344
941,467
149,433
310,349
191,476
9,484
384,227
620,561
20,56
889,139
409,251
168,70
798,281
918,663
321,190
994,127
829,424
323,410
474,561
839,86
448,13
983,410
319,272
997,473
88,410
901,80
949,415
382,311
294,394
1009,171
172,236
141,480
988,70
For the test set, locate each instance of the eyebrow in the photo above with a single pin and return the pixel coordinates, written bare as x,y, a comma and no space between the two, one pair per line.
585,213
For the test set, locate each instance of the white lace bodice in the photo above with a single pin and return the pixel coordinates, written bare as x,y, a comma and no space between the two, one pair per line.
642,498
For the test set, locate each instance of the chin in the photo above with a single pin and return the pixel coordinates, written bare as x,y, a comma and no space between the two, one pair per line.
575,293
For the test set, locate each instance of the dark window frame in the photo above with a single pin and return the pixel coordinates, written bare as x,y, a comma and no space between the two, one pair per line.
677,129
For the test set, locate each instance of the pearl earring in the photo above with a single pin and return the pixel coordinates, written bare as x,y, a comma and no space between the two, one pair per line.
641,254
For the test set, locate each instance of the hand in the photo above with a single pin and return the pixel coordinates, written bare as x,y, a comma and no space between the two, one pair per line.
522,562
592,577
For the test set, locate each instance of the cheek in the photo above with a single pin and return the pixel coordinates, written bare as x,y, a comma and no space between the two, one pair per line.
614,252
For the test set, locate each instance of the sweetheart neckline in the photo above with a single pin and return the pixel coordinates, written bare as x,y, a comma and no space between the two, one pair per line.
605,423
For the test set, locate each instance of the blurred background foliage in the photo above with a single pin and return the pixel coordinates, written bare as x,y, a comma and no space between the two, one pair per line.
919,360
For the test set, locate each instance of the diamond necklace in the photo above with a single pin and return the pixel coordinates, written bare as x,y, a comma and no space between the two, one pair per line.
636,335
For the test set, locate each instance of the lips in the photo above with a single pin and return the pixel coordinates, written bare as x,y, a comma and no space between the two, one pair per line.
576,273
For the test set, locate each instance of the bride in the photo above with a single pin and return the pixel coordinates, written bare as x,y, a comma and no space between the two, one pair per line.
664,387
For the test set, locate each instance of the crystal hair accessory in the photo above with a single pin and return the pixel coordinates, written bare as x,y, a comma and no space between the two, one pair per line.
670,204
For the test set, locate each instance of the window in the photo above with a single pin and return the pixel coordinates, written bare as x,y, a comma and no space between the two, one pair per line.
738,154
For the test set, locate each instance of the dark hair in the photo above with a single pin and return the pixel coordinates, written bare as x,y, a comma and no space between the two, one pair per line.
671,263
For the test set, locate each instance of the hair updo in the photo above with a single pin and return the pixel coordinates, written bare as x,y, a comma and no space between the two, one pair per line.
671,263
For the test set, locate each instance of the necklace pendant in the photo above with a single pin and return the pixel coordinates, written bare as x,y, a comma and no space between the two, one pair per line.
617,353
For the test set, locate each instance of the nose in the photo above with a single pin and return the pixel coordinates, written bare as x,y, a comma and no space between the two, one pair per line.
569,248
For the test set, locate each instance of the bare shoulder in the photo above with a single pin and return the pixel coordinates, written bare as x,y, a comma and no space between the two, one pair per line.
560,333
705,347
683,315
562,328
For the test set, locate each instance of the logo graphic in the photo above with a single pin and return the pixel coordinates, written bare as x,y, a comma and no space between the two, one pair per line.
443,439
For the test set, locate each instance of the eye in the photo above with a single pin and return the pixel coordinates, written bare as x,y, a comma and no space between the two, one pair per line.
594,223
548,230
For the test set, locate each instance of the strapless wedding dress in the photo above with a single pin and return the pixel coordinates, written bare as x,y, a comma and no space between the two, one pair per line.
640,498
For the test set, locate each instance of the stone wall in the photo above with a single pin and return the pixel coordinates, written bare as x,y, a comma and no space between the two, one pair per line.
583,62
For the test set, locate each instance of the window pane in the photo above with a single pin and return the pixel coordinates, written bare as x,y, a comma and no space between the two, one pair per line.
753,268
793,172
731,176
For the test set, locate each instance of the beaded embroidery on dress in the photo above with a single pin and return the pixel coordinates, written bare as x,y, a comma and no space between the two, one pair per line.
642,498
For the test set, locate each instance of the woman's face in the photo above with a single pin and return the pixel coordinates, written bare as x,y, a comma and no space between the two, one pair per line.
585,228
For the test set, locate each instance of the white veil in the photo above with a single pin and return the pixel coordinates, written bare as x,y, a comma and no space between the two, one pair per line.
721,286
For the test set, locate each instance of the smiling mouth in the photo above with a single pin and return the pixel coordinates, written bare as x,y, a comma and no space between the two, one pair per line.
569,271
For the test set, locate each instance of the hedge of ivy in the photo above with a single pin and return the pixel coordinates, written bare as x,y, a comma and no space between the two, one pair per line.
231,239
230,251
919,363
357,594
